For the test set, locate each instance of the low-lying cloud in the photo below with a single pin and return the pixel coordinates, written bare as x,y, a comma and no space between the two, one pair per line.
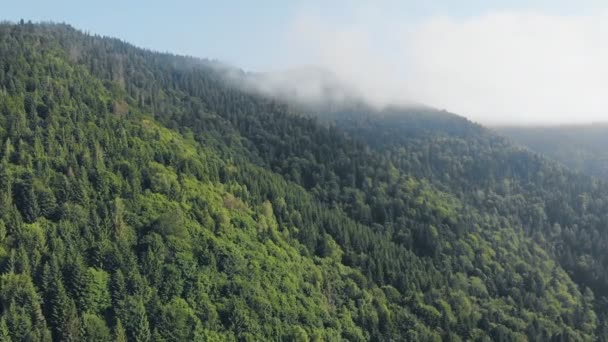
308,85
497,68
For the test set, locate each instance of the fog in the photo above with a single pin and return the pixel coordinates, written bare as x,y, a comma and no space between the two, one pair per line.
496,68
308,85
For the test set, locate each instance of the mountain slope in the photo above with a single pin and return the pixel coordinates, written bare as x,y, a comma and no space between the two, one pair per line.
564,212
145,197
580,148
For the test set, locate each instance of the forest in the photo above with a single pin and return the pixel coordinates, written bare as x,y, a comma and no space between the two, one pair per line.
144,198
582,148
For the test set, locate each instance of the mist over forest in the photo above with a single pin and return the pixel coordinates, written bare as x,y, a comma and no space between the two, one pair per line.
448,182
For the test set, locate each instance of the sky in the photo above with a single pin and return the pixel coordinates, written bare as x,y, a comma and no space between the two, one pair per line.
495,62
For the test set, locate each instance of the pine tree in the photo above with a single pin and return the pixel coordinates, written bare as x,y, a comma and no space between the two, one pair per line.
63,315
119,332
25,198
4,332
140,326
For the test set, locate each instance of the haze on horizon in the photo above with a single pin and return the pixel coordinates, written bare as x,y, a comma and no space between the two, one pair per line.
507,63
516,67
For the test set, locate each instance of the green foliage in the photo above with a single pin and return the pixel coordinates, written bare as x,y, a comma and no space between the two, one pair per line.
581,148
95,329
143,198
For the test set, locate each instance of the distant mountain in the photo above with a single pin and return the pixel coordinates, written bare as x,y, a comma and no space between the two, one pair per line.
583,148
147,197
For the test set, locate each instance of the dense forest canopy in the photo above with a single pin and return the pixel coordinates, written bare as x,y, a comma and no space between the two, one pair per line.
581,148
144,198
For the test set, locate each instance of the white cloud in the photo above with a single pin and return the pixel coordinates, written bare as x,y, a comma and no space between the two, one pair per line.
500,67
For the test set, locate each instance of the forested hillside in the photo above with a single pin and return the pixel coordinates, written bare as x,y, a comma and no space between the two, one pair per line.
143,198
581,148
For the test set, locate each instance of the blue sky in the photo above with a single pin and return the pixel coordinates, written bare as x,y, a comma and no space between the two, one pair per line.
249,34
518,61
